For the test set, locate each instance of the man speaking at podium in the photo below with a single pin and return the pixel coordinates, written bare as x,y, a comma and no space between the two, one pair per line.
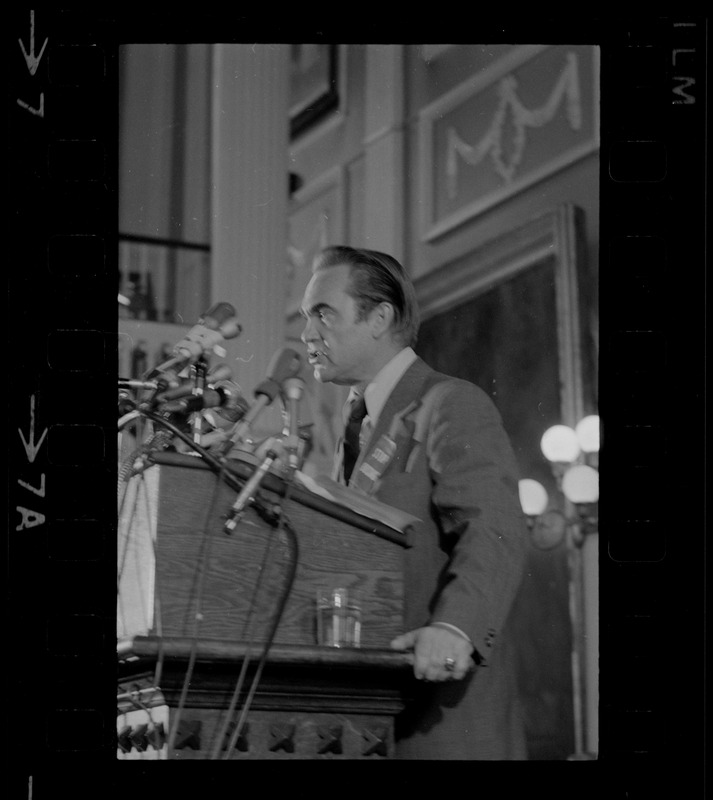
434,446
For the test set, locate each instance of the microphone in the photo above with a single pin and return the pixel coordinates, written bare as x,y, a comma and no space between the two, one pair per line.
165,381
176,392
235,406
218,397
217,375
247,493
285,363
292,390
215,326
130,383
219,372
226,394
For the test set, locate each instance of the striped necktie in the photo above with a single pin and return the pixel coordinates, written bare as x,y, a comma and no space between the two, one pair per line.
351,435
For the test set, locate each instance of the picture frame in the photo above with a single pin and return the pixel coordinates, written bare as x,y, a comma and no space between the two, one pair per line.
555,239
314,85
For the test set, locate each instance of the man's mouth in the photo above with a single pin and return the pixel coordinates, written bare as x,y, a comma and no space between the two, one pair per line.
315,356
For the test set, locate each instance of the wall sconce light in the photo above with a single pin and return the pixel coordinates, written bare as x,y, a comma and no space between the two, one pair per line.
573,454
547,526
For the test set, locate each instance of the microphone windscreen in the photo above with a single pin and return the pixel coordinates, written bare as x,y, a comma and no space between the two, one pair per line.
269,388
231,329
217,315
293,388
219,372
175,392
286,363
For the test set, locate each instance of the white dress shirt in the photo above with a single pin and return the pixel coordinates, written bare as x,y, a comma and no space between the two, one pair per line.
377,392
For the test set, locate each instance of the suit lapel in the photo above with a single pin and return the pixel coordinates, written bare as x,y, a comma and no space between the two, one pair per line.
403,400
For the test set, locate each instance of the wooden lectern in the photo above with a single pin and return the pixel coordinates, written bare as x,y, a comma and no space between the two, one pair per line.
196,607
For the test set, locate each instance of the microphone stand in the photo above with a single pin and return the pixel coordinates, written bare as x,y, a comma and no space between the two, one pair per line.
292,390
200,371
247,493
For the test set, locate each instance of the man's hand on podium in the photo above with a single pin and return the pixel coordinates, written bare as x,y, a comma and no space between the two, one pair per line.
439,654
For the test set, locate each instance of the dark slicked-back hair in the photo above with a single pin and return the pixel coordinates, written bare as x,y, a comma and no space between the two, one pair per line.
377,278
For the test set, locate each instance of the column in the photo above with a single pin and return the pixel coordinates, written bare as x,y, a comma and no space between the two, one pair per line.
590,588
384,149
249,199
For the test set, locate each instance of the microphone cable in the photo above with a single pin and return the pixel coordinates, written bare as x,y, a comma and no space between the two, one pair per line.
218,741
262,572
198,615
134,697
283,526
215,464
222,475
127,539
160,440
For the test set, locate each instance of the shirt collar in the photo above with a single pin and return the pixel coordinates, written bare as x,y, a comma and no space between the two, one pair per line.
377,392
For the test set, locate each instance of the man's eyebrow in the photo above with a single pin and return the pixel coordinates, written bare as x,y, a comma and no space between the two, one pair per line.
315,309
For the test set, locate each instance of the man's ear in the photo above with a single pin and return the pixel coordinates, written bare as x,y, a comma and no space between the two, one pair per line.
381,318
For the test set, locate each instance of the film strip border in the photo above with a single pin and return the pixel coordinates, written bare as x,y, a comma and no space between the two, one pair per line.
652,303
62,356
62,67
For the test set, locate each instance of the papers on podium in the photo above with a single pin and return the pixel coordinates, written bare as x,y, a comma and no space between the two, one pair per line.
356,501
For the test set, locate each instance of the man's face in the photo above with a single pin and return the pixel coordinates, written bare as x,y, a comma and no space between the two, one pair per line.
341,349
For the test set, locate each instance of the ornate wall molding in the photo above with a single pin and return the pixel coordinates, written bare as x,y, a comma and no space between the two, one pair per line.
565,91
532,113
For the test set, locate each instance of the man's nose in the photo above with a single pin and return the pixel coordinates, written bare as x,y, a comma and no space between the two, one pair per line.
309,334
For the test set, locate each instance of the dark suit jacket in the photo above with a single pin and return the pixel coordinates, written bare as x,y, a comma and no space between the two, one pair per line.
453,468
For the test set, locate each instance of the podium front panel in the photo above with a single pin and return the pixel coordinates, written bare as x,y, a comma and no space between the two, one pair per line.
213,585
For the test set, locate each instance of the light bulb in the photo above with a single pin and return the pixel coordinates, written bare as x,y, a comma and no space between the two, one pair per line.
533,497
560,444
587,431
580,484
